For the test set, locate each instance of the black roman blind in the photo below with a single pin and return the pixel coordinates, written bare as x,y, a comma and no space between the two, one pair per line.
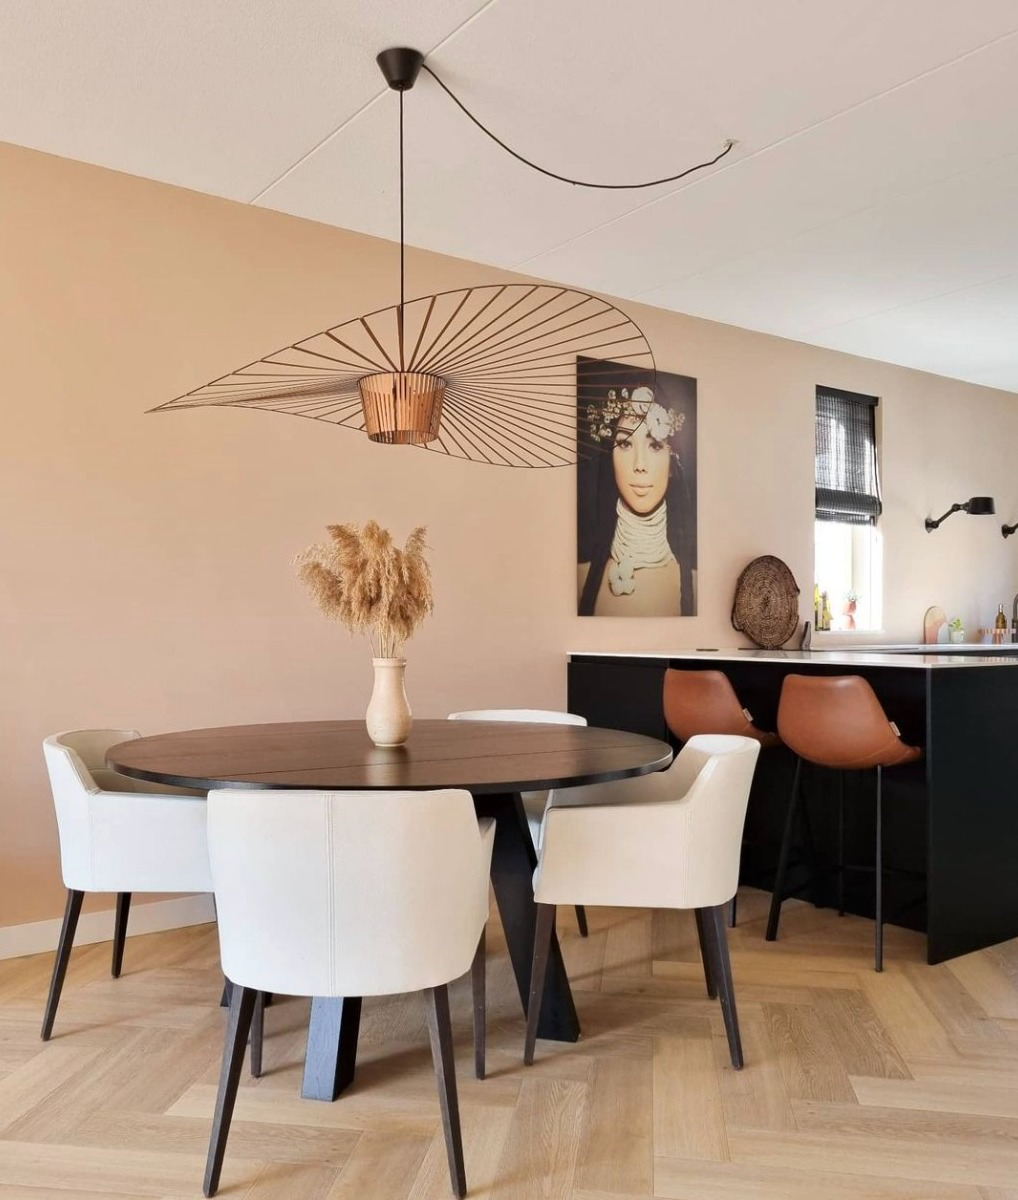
847,485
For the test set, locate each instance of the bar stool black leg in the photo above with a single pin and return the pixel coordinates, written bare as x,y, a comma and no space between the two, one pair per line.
879,873
786,844
732,914
841,843
581,920
809,845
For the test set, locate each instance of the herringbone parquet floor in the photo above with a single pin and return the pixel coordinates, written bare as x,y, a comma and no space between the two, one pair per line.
902,1086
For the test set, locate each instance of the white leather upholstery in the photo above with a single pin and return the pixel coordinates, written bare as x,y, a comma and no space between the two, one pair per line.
348,893
119,834
671,839
534,803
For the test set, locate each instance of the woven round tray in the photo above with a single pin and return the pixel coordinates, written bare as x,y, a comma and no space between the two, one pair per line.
766,605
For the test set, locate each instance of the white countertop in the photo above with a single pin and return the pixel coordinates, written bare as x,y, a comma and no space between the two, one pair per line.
932,648
869,657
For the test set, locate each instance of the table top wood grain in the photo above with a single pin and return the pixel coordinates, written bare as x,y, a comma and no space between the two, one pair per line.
480,756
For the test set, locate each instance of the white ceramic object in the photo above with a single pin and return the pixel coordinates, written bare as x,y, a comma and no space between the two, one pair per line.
957,636
389,718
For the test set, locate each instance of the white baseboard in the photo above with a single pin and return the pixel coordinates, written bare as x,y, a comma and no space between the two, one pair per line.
39,936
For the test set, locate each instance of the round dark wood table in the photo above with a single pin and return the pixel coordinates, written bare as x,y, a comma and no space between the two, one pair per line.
494,760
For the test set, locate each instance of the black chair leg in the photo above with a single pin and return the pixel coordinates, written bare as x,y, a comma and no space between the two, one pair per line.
120,932
478,988
440,1029
733,912
581,920
705,954
72,911
717,939
878,949
257,1038
542,948
238,1025
786,844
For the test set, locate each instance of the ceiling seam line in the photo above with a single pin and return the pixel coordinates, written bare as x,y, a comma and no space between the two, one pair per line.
896,198
879,312
732,165
363,108
315,148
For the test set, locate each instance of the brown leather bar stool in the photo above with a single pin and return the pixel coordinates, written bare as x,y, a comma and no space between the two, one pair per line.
705,702
836,721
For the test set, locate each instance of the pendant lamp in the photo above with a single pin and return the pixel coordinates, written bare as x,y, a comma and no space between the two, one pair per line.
486,373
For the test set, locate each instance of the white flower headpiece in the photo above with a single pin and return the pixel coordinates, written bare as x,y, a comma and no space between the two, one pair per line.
662,423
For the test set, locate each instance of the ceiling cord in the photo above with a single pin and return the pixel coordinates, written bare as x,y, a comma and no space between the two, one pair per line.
729,143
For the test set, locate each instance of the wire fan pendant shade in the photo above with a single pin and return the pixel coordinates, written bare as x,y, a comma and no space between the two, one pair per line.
485,373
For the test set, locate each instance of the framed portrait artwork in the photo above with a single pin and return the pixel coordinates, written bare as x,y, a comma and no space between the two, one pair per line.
635,492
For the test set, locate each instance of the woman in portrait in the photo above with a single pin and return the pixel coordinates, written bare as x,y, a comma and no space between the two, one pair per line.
637,520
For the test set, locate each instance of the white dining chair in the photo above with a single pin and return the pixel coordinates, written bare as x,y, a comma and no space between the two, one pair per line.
534,803
671,839
117,834
349,894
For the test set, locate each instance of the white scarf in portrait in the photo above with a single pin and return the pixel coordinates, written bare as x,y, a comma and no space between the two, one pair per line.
638,542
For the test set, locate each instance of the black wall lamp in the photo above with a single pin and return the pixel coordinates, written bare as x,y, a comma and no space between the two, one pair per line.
978,506
1007,530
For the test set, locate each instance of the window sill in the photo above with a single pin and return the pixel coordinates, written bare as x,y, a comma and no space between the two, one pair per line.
830,636
849,633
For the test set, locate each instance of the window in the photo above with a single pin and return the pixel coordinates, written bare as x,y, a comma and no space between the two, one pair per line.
847,536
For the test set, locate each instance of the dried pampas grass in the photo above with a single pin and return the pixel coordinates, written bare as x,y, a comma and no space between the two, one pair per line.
362,579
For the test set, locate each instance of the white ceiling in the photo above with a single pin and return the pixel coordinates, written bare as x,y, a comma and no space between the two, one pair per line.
870,204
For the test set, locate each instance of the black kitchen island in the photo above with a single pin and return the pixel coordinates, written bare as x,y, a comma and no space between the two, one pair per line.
950,820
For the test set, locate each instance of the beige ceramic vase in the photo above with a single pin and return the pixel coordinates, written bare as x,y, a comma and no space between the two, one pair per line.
388,718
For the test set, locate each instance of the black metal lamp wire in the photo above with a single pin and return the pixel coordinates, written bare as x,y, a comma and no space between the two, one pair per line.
729,144
402,272
402,240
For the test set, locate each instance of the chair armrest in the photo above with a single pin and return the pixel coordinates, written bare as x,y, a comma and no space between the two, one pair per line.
614,854
145,842
658,787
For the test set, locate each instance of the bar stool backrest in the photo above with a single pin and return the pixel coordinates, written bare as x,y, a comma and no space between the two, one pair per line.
704,702
837,721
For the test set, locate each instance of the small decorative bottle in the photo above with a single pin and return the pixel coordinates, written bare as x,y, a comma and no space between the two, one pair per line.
999,626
